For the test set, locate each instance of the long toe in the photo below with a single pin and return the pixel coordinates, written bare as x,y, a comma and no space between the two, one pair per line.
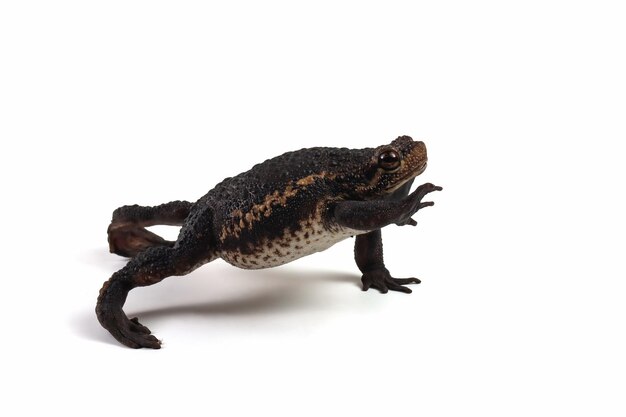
405,281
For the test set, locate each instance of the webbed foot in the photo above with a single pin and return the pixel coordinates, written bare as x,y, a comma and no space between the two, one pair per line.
128,240
129,332
127,232
382,280
111,316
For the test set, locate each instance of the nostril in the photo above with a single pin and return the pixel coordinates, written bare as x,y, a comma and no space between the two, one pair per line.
421,148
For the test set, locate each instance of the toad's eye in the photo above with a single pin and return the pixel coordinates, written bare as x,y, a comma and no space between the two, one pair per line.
389,160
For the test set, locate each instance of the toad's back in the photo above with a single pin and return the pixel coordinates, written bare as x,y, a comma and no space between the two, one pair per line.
295,168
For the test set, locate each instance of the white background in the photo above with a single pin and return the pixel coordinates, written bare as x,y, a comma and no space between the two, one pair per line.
521,104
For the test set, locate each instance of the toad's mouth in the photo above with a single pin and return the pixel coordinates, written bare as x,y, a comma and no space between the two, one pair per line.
420,169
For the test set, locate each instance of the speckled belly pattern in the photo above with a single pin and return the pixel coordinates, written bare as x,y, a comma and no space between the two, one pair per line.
290,246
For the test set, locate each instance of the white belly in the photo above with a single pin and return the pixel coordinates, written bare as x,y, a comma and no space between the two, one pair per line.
290,246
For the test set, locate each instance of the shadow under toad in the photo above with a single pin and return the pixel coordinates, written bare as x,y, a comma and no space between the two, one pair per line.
273,291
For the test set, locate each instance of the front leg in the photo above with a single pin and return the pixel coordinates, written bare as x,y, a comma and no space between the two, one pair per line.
368,250
368,253
376,214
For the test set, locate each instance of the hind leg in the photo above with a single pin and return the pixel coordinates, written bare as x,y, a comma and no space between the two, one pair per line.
193,248
127,232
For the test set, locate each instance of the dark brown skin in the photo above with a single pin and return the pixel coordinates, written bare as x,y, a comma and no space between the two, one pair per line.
284,208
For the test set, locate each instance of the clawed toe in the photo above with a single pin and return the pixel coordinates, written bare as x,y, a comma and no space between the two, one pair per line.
393,286
138,340
136,335
130,332
404,281
138,327
383,281
413,203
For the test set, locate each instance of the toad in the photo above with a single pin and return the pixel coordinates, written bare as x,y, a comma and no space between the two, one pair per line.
280,210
